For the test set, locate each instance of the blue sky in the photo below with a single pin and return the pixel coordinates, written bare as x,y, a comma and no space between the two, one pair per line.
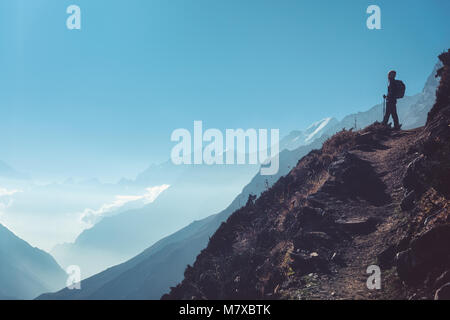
103,101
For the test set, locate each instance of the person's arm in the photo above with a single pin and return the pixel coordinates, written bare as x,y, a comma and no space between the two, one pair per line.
391,90
388,92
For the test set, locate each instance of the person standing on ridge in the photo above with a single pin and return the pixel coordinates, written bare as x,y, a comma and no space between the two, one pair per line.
396,90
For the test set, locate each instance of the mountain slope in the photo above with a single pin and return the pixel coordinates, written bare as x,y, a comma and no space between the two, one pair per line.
374,196
26,272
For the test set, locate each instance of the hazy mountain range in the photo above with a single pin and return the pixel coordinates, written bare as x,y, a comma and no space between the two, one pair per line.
149,231
151,273
194,192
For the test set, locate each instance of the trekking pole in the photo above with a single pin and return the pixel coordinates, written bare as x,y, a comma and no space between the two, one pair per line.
384,107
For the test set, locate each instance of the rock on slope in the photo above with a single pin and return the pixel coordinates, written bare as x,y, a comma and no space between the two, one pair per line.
375,196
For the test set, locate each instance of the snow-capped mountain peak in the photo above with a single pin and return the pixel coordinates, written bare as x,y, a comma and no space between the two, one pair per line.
315,130
298,138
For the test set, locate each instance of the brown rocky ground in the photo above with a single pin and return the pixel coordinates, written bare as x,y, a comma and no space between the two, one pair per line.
362,250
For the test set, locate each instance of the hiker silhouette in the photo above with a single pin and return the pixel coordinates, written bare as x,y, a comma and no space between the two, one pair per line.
396,90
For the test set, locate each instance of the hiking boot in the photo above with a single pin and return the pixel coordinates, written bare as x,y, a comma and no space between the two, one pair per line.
399,127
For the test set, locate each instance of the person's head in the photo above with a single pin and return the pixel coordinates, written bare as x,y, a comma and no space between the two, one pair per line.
391,75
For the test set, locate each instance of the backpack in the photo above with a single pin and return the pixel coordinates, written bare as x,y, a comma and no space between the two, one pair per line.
400,89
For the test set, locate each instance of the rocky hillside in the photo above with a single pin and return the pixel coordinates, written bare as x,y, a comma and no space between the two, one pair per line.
371,197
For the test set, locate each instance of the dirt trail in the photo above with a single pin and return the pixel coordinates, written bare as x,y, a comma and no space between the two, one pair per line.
349,282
